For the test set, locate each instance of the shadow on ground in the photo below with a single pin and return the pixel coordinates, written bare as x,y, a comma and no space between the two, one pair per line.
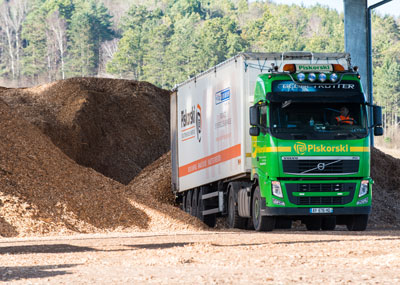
27,272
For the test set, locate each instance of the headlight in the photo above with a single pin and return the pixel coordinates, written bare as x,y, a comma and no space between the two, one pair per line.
301,77
276,189
322,77
363,188
312,77
333,77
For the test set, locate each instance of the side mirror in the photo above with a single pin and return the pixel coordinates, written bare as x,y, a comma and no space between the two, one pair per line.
377,115
254,115
254,131
378,131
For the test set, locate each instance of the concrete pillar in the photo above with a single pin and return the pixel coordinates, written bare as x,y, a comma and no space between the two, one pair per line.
356,35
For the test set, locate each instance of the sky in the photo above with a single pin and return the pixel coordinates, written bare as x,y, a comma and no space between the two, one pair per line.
391,8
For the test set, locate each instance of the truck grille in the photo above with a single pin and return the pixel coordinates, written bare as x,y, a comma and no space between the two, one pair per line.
325,166
320,188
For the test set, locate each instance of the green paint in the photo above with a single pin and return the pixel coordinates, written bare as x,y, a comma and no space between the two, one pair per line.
268,151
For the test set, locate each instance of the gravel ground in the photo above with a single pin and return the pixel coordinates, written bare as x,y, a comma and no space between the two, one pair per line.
218,257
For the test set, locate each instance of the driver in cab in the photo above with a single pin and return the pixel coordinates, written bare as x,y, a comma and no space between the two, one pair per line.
344,117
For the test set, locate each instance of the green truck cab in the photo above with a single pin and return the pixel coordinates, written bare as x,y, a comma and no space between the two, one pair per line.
311,148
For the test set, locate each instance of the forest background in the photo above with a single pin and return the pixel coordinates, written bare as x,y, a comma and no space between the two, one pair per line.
165,42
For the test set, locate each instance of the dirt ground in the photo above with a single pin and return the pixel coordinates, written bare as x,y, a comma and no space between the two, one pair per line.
224,257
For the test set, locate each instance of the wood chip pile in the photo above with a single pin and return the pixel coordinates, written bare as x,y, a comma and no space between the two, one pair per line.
116,127
59,141
385,171
43,191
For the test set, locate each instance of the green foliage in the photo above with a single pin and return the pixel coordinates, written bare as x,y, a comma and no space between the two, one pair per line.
165,42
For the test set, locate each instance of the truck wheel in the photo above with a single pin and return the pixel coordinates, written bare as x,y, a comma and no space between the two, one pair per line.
234,220
283,223
209,220
313,223
195,198
261,223
357,223
328,223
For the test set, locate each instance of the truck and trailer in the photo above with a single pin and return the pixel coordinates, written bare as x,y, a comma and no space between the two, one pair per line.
269,138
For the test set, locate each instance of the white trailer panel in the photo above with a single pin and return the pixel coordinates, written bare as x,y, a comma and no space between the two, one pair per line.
210,138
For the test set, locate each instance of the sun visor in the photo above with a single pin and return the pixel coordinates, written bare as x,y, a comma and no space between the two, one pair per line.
351,97
345,91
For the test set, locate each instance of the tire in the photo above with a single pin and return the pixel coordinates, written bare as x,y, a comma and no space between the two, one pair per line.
195,197
188,203
209,220
184,202
261,223
234,220
313,223
328,223
283,223
357,223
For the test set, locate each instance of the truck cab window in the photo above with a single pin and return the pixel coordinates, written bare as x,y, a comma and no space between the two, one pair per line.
319,120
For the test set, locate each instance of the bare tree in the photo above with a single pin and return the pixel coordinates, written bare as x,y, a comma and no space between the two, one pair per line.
12,15
58,27
108,49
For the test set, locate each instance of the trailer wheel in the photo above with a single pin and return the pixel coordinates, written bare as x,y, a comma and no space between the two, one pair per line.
184,201
328,223
195,200
234,220
188,204
357,223
209,220
261,223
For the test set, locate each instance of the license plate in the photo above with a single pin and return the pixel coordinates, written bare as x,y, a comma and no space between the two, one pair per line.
321,210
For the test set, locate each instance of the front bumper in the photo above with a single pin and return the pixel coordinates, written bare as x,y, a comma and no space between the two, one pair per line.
278,211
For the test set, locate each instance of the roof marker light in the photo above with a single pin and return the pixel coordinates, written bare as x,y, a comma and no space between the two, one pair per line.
322,77
333,77
289,67
338,67
301,77
312,77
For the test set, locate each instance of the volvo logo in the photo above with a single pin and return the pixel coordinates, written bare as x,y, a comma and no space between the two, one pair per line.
321,166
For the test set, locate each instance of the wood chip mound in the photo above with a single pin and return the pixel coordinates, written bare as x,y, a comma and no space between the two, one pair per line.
57,141
385,170
116,127
43,191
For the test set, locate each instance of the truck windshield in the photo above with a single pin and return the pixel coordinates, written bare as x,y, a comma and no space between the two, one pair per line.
290,120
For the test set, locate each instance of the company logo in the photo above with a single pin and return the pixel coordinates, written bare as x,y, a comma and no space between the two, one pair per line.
188,117
222,96
198,122
300,148
191,124
321,166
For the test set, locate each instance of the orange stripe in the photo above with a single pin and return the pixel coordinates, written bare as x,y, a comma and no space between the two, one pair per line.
187,129
188,138
216,158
